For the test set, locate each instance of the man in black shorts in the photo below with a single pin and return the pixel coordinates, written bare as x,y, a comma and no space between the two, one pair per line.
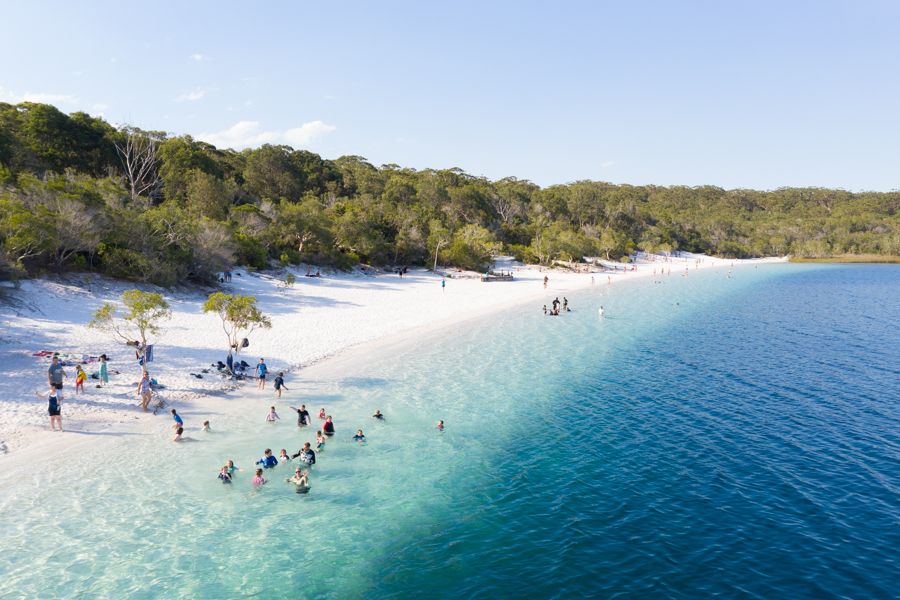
55,375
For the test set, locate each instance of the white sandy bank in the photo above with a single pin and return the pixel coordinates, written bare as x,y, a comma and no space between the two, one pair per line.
316,318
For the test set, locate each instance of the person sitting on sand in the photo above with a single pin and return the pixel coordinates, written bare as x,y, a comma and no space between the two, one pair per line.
224,475
320,440
279,383
283,457
306,454
328,426
360,436
178,426
272,416
268,461
259,479
378,415
303,417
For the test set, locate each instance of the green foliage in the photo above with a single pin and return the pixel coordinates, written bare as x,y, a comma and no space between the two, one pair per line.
144,313
239,315
65,205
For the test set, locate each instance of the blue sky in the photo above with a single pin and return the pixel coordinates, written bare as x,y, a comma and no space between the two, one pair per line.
737,94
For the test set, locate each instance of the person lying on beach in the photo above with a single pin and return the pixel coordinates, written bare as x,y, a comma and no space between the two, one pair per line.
279,383
224,475
283,457
259,479
306,454
272,416
268,461
303,417
378,415
360,436
320,440
328,427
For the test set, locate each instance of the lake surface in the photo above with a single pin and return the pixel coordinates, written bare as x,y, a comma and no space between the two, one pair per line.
712,434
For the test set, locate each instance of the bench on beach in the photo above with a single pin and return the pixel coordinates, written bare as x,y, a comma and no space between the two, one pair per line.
496,277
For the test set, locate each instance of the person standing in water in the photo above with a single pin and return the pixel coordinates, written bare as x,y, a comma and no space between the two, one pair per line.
360,436
178,426
279,383
600,311
303,418
259,480
440,425
272,416
306,454
320,440
378,415
328,426
261,369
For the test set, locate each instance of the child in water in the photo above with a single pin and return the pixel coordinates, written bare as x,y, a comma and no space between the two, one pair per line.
320,440
80,378
272,416
322,413
440,425
224,475
283,457
259,479
378,415
231,468
206,426
268,461
359,437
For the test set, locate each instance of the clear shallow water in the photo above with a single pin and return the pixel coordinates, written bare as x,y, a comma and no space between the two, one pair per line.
721,436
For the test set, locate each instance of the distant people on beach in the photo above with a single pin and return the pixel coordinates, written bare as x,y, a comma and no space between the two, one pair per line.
546,279
328,426
443,284
80,378
261,369
378,415
279,383
145,390
104,370
54,407
178,425
272,416
600,311
55,376
303,418
545,309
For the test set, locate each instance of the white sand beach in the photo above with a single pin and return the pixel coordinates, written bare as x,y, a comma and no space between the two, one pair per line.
314,319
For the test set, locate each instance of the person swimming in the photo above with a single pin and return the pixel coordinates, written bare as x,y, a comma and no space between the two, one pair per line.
268,461
360,436
378,415
259,479
224,475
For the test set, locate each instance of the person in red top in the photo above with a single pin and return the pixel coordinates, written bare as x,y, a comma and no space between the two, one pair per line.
328,427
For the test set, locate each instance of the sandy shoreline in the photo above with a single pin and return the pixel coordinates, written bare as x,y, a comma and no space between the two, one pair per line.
315,320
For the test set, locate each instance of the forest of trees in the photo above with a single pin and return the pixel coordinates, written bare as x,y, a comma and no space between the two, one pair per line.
77,194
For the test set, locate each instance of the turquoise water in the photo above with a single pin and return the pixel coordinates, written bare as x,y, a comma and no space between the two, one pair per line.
711,435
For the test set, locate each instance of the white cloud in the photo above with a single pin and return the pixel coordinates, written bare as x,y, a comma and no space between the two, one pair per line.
40,97
199,57
246,134
191,96
607,164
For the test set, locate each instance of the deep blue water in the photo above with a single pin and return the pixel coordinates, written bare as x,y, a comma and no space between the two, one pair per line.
748,449
736,437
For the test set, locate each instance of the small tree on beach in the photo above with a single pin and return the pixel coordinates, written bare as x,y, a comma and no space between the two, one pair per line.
144,312
239,314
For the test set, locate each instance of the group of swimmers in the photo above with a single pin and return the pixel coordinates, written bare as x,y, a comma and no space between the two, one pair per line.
556,306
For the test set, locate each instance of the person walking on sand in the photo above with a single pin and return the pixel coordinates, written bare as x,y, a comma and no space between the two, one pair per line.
55,376
546,279
261,369
80,378
145,391
272,416
279,383
443,284
104,371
